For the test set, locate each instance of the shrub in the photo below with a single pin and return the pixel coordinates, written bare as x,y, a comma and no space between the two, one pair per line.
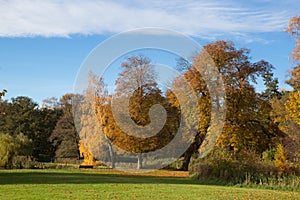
280,158
25,162
247,169
232,168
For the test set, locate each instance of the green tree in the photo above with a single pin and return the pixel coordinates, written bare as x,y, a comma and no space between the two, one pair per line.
64,137
271,84
11,146
23,116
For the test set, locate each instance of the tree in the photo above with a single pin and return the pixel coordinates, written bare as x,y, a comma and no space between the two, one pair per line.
11,146
50,103
280,158
293,102
7,150
294,30
22,115
244,126
46,122
294,80
93,143
138,80
64,137
271,84
195,79
3,93
293,105
287,125
85,153
127,123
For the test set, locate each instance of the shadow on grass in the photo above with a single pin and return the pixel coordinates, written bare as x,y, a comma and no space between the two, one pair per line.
46,177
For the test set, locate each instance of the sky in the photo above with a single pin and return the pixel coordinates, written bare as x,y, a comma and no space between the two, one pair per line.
44,43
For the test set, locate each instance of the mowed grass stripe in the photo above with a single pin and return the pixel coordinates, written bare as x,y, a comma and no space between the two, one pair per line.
110,184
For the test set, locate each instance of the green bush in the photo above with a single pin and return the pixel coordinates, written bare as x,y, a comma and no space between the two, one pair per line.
174,165
25,162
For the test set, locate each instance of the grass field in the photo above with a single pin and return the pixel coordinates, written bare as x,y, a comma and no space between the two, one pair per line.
109,184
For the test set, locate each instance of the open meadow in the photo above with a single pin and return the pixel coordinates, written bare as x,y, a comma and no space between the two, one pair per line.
110,184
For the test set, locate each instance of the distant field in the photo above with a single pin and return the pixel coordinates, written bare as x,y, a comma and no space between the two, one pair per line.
109,184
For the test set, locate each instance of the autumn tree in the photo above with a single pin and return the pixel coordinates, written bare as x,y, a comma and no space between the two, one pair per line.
294,80
287,125
93,143
138,116
293,103
287,108
3,93
294,30
280,158
293,106
244,125
199,86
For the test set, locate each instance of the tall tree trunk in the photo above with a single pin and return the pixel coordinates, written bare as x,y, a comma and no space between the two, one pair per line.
111,153
187,158
139,161
190,151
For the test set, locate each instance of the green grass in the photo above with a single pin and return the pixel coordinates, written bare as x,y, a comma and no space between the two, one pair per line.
109,184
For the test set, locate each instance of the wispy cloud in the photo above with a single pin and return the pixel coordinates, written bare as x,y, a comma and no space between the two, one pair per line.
48,18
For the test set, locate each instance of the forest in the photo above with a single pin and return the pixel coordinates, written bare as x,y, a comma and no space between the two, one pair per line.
260,137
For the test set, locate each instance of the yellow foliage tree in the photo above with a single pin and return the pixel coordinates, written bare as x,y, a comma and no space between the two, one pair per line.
136,83
88,157
280,158
92,143
293,106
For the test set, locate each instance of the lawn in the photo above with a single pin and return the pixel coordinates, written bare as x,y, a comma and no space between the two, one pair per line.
109,184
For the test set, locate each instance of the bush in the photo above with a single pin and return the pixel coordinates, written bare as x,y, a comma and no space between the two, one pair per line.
280,158
68,160
246,168
24,162
174,165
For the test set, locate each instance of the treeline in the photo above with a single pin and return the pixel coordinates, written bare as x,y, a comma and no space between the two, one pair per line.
258,125
29,132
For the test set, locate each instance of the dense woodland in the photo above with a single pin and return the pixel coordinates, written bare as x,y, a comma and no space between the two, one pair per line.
261,132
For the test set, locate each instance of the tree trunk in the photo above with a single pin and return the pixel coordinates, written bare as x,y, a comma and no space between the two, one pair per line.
186,161
139,161
189,152
111,154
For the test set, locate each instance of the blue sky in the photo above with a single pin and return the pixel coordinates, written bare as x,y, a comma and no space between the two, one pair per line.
43,43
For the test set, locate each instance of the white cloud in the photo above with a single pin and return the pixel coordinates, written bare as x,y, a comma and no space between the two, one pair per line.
48,18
